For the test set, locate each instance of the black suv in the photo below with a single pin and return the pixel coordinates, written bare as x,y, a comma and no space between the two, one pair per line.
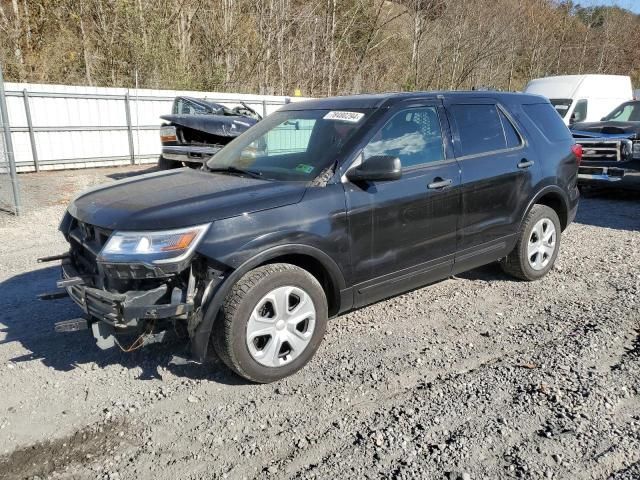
324,206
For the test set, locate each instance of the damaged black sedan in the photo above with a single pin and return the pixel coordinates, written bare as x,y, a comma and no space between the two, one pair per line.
197,129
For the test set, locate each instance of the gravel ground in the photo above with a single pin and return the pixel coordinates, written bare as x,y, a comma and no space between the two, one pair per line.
476,377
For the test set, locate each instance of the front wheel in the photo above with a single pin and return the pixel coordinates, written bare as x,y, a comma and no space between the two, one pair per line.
537,247
166,164
272,322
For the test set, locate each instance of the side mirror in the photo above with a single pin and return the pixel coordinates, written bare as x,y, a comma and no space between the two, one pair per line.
377,168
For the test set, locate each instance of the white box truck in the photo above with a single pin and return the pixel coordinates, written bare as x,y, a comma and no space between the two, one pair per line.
583,98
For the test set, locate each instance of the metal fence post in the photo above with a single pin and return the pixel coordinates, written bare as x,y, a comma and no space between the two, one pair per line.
32,136
264,108
127,109
8,145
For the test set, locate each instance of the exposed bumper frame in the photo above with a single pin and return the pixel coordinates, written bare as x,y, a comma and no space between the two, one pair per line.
122,310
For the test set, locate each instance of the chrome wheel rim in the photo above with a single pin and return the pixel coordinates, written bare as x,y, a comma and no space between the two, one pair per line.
281,326
542,244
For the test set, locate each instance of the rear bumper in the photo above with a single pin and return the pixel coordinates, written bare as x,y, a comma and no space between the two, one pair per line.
189,153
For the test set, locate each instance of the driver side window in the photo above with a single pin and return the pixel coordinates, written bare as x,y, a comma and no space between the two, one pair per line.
580,112
623,114
186,107
413,135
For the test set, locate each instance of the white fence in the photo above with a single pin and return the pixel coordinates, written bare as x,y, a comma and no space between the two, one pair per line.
59,126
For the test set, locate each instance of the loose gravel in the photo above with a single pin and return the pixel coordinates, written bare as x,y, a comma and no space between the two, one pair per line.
479,376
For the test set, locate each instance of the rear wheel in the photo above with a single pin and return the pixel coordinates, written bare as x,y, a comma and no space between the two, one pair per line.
272,323
538,245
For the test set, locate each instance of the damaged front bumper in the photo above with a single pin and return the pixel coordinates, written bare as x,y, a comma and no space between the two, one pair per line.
132,312
131,319
121,310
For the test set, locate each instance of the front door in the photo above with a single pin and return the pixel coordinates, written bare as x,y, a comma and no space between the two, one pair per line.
403,232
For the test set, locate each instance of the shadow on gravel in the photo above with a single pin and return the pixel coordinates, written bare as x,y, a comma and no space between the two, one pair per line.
615,209
488,273
30,322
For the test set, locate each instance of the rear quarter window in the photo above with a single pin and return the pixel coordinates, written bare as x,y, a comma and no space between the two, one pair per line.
547,120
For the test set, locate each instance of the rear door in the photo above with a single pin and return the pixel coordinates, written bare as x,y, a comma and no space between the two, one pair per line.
498,173
403,232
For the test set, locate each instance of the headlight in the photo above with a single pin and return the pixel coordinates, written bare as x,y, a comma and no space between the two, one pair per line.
636,149
155,247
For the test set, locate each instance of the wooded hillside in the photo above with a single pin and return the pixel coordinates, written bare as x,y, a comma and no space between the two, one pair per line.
318,46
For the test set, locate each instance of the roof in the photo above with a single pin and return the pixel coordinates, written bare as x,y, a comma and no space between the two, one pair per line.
378,100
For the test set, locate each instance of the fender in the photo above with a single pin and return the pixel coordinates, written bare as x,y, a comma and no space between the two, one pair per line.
200,340
540,193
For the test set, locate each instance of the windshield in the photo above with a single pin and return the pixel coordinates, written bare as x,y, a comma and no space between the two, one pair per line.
561,105
290,145
627,112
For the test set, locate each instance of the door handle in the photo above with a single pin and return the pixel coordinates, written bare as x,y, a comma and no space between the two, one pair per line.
439,183
524,163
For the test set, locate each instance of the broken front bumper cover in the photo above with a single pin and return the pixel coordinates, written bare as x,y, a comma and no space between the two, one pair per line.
120,310
125,310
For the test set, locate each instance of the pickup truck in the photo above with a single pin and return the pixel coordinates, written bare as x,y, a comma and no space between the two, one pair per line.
324,206
611,149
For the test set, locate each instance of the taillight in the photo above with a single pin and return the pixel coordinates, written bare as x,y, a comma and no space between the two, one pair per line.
577,151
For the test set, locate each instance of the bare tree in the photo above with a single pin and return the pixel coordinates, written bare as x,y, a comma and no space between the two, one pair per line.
318,46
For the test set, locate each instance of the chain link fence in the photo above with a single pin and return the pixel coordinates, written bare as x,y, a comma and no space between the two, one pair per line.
9,189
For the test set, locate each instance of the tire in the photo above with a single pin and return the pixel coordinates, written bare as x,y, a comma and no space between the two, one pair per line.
251,303
165,164
532,256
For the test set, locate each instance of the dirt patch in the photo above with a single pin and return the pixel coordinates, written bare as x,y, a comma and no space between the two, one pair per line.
85,446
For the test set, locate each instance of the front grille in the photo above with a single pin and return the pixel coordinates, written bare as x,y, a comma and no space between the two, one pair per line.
86,242
609,150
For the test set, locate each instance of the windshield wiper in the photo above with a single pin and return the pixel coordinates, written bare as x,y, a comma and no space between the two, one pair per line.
236,170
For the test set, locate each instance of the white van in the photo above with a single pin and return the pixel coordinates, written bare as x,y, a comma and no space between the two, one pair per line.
583,98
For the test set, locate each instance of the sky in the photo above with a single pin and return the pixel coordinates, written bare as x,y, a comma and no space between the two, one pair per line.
633,5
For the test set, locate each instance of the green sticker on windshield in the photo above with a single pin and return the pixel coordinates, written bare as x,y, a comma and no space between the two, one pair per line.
304,168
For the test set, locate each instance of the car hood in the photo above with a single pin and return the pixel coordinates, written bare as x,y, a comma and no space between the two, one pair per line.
221,125
600,129
179,198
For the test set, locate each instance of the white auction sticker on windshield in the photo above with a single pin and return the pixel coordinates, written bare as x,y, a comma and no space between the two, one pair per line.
352,117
